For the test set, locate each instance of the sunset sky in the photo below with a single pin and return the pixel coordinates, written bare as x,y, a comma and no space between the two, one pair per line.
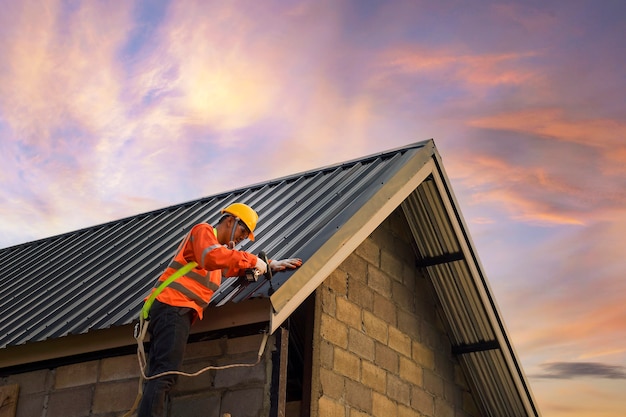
114,108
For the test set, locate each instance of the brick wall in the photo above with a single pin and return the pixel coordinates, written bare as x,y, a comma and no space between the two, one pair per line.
108,387
381,349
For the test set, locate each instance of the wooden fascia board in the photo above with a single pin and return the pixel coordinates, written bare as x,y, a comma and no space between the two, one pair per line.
217,318
66,346
347,238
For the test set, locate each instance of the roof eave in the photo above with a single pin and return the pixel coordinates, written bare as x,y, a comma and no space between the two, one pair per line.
251,311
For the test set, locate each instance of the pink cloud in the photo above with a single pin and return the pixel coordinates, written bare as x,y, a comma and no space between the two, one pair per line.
533,20
64,68
578,153
524,192
468,69
576,330
607,134
569,298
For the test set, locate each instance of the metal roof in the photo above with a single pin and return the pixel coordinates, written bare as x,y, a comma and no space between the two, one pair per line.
96,278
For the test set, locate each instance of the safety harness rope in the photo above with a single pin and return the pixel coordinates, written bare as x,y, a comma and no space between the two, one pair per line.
141,330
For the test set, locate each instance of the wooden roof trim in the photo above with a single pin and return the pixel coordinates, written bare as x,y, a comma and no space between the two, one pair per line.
330,255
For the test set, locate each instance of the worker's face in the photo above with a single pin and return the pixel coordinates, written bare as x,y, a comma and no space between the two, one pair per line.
241,232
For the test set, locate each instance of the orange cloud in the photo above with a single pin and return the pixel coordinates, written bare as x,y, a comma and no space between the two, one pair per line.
221,79
572,324
579,398
469,69
601,153
61,69
602,351
553,123
512,187
526,210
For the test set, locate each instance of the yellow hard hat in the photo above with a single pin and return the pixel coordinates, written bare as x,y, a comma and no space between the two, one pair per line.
245,214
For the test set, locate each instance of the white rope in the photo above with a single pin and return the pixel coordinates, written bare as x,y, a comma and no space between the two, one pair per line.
140,335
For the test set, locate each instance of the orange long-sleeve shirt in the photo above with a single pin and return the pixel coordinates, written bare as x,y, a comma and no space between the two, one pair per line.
194,289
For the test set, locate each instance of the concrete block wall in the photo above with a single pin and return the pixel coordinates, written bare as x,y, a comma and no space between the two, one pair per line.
108,387
380,348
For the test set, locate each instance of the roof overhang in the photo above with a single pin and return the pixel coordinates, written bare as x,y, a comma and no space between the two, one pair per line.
477,331
230,315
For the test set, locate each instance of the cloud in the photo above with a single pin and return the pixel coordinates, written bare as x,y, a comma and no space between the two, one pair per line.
477,70
97,120
213,76
605,134
532,20
63,70
540,173
561,289
62,119
526,191
569,370
552,324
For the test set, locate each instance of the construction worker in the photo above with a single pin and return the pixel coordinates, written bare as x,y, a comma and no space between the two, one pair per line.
184,300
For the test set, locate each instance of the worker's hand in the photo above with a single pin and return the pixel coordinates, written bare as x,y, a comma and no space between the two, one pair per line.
281,265
260,266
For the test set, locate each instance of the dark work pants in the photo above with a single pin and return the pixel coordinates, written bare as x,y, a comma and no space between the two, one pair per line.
169,329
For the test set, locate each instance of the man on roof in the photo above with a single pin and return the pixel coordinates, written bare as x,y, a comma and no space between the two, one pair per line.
184,300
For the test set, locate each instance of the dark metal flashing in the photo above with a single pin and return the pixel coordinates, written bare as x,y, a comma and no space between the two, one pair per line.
67,360
440,259
475,347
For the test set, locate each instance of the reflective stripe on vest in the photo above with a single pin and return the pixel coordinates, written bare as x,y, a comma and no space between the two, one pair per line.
180,267
206,251
204,280
189,294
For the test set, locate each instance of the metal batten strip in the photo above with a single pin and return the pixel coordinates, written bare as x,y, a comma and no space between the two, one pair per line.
465,348
440,259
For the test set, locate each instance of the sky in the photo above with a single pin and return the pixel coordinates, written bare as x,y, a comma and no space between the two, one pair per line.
113,108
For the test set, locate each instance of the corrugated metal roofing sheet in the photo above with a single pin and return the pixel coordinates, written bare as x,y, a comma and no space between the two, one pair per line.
465,296
96,278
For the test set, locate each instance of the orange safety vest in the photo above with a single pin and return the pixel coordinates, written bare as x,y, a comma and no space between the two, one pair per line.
196,287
